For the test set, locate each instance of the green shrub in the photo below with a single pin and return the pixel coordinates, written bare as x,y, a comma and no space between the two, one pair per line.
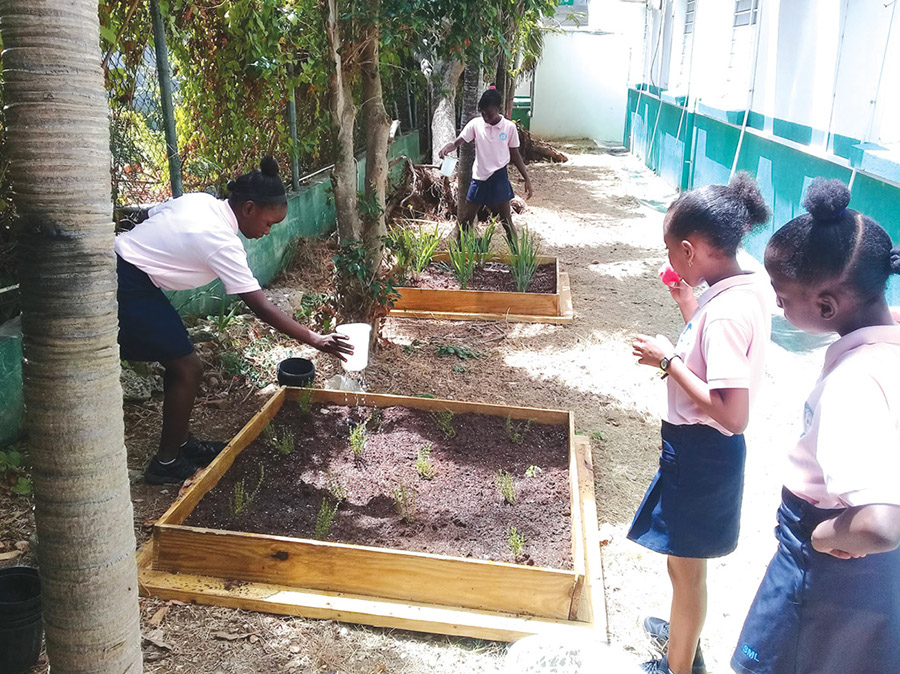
462,257
325,517
516,541
517,430
358,439
506,486
423,463
523,259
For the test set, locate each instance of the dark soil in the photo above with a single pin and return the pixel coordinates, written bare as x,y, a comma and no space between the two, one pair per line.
458,512
493,276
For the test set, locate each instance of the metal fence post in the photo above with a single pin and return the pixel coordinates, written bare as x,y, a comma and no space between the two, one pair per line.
164,72
292,122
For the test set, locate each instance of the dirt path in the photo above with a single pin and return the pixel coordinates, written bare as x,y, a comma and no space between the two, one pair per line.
601,214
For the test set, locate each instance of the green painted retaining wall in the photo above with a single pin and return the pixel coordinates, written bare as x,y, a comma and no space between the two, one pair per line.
693,149
310,214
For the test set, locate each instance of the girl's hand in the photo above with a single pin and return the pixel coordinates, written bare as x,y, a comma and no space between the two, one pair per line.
681,292
823,542
528,191
651,350
333,344
447,149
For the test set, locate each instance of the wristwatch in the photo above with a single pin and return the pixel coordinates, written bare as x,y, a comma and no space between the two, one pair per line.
666,362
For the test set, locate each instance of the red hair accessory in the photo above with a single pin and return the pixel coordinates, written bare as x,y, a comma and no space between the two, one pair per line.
492,87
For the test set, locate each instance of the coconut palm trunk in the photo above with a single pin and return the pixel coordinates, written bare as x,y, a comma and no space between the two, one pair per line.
59,162
471,91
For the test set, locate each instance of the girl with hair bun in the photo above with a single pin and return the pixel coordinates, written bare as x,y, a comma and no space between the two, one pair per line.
691,511
184,244
830,599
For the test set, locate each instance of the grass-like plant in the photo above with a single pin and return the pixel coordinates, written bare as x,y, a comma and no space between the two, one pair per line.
462,257
444,420
506,486
482,245
413,247
359,437
516,541
533,471
337,490
523,259
325,517
461,352
280,439
404,502
241,498
423,463
517,430
305,399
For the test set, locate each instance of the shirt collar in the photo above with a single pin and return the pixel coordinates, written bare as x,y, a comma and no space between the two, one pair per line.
874,334
228,214
746,279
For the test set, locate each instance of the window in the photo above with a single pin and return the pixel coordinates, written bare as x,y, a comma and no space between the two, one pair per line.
745,12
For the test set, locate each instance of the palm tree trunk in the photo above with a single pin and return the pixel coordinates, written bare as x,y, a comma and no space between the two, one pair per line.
443,119
59,153
470,93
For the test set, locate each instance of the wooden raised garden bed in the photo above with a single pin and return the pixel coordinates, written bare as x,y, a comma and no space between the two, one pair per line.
387,586
484,305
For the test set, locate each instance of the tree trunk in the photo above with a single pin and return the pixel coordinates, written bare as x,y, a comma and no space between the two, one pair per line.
378,126
343,119
471,91
58,145
443,120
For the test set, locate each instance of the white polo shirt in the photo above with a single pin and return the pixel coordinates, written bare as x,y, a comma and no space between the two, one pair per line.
724,344
187,243
849,453
492,143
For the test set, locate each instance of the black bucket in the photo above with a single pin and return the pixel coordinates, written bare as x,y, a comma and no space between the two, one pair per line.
296,372
21,627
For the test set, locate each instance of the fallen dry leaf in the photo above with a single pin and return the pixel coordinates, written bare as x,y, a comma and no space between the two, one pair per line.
22,545
175,602
12,554
155,637
158,616
228,636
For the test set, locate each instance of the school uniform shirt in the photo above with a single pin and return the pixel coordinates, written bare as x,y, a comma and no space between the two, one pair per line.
724,344
188,242
849,453
492,144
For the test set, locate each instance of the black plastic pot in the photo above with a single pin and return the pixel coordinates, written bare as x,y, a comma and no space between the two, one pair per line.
21,626
296,372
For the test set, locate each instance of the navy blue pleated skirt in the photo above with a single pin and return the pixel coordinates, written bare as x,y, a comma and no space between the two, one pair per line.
817,614
149,327
493,191
693,505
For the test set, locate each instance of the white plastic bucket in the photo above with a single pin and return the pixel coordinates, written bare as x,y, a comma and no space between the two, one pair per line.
358,336
448,165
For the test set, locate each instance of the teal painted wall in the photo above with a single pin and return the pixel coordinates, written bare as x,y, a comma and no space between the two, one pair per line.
702,152
310,214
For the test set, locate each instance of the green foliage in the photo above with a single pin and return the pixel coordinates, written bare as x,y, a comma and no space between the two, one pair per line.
279,438
224,317
523,259
458,368
533,471
517,430
482,245
597,435
362,295
405,499
516,541
444,420
410,348
463,256
506,486
232,364
375,420
423,463
241,498
337,490
13,472
325,518
305,400
461,352
359,437
317,310
413,247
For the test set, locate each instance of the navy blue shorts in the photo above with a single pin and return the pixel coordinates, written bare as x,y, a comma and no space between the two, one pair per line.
815,613
494,191
693,505
149,327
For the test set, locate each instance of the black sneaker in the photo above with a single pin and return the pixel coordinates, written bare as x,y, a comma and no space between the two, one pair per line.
169,473
657,631
201,452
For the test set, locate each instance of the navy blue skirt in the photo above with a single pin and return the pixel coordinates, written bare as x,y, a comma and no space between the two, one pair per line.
815,613
693,505
493,191
149,327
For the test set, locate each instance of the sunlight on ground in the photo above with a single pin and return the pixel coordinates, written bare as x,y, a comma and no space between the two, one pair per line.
624,269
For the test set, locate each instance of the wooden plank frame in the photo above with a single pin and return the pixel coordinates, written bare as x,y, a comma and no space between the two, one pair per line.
482,305
380,586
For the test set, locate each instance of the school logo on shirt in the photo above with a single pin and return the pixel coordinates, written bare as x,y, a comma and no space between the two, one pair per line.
504,136
807,418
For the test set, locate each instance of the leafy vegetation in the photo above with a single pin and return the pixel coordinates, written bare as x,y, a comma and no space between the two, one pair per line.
362,293
517,430
12,471
325,517
358,439
337,490
241,498
461,352
533,471
516,541
413,247
405,499
444,420
523,259
481,245
462,257
423,463
506,486
305,399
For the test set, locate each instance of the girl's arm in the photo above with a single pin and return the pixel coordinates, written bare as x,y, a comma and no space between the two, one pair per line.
727,406
516,158
450,147
860,531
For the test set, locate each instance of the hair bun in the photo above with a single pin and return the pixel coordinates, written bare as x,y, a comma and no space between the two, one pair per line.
895,259
826,200
269,167
232,185
745,189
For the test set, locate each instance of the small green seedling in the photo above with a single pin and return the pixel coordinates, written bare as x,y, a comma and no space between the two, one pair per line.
337,490
506,486
358,440
12,472
444,422
280,439
459,368
517,431
516,541
461,352
325,517
305,400
597,435
533,471
404,502
241,498
423,463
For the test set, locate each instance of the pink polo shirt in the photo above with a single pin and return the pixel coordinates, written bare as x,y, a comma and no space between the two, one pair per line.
849,453
724,344
492,143
188,242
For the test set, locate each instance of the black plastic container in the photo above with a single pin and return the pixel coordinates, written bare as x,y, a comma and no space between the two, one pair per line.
296,372
21,626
